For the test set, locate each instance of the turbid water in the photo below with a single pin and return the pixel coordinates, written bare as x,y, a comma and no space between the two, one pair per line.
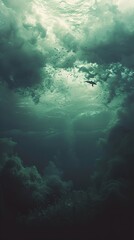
66,119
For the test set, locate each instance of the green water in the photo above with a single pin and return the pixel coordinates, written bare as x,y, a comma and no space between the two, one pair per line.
66,119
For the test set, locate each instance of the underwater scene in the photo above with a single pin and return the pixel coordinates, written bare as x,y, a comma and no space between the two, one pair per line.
66,119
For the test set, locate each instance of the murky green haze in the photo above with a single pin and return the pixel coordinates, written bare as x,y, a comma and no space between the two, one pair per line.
66,119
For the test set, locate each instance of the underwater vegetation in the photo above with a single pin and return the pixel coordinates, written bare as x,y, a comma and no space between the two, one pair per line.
66,120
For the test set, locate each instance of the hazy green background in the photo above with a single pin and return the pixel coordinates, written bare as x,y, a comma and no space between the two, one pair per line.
64,143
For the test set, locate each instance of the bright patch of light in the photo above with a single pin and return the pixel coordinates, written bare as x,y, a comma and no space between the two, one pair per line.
124,5
69,91
73,1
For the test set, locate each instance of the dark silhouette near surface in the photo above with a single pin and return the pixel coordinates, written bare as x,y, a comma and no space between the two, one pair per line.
91,82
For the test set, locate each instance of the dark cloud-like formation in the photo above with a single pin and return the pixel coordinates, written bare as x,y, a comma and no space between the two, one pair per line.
118,48
115,78
108,37
20,61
